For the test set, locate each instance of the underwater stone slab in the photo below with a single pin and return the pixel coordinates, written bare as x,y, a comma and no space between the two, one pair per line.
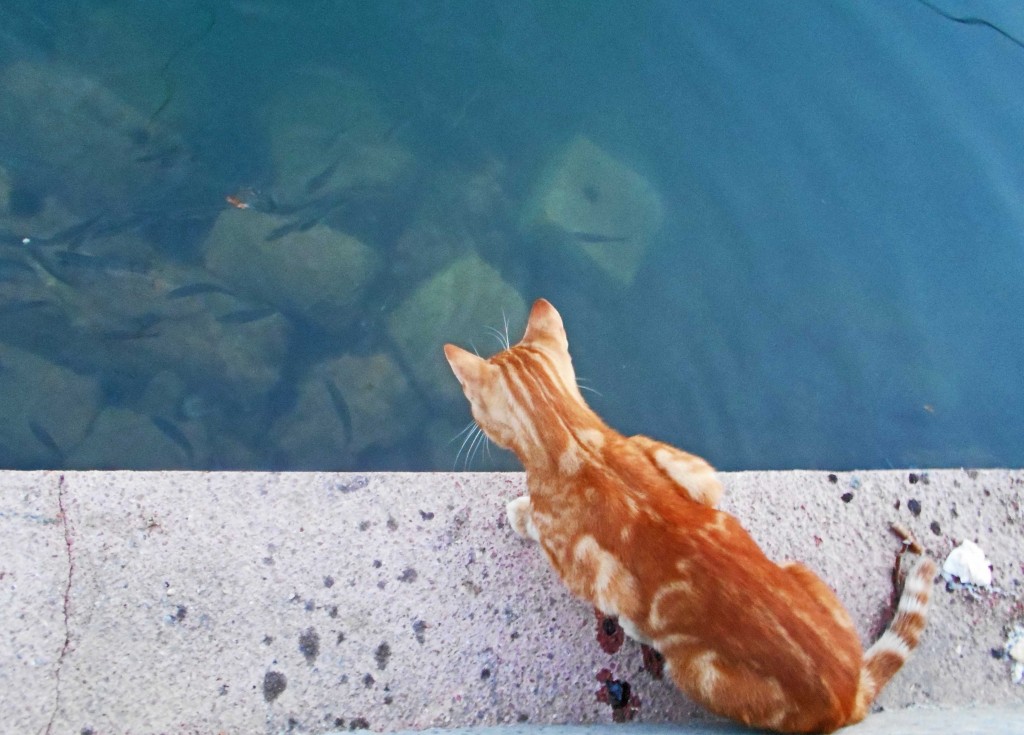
108,155
318,274
124,440
459,304
116,307
590,201
328,137
45,409
259,602
345,406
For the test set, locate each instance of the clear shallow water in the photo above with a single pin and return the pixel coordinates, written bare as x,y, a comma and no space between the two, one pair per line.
834,279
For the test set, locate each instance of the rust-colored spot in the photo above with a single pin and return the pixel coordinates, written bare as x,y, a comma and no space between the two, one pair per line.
654,662
618,695
610,635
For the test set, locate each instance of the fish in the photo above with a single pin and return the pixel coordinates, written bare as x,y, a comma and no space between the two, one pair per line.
244,316
195,289
12,269
596,237
44,438
317,182
13,307
139,328
341,408
169,429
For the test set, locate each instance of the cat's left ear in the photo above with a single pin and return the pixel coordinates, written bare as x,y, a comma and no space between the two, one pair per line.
545,323
468,368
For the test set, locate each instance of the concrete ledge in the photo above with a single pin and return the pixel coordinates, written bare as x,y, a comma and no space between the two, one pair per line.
247,602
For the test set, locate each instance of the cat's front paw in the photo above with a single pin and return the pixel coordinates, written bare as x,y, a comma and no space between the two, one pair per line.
520,517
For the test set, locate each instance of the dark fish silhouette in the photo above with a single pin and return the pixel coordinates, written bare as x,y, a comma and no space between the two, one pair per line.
244,316
195,289
341,408
596,237
171,431
44,438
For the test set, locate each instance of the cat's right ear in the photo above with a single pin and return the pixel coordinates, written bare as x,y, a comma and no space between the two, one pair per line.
545,323
468,368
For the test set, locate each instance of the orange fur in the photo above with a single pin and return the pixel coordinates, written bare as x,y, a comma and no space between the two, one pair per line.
630,525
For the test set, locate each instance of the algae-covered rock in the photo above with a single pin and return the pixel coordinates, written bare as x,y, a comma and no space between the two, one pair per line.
121,439
72,132
592,202
463,209
460,304
119,310
328,135
318,274
45,410
346,406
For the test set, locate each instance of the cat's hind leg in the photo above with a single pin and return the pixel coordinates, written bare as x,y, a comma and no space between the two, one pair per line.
819,591
520,517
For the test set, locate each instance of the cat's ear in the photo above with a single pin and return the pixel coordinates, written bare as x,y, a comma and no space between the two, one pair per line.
545,323
468,368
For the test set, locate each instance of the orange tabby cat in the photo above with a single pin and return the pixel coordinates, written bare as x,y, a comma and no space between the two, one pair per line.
630,525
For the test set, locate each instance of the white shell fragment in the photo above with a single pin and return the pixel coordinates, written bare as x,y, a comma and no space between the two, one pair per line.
967,564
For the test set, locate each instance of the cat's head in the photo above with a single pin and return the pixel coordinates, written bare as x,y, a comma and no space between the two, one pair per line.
511,391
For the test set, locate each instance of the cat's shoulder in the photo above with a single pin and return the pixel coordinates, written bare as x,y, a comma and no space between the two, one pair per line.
691,474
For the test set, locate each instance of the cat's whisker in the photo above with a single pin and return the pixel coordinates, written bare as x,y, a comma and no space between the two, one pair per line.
504,318
502,339
463,452
474,446
581,383
467,427
470,432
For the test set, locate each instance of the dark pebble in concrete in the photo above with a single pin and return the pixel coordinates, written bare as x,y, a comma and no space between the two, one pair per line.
274,682
309,645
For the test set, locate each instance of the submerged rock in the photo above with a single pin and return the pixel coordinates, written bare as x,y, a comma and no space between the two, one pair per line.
45,411
117,309
329,140
591,202
317,274
344,407
121,439
460,304
65,133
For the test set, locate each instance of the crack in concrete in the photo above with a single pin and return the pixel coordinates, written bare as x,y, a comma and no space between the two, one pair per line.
68,542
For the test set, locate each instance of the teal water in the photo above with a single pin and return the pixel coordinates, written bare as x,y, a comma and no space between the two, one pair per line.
782,235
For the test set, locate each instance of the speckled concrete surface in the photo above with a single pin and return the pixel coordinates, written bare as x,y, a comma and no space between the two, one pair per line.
245,602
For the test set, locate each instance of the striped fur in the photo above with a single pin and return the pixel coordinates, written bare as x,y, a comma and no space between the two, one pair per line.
630,525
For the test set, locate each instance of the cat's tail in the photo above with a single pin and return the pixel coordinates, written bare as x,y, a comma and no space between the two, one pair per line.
892,649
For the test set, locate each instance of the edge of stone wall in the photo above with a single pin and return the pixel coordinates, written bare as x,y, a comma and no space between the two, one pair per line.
311,602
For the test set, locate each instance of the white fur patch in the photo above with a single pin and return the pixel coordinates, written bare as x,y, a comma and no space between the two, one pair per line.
571,461
692,474
520,517
591,438
630,629
658,618
706,674
889,642
613,585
